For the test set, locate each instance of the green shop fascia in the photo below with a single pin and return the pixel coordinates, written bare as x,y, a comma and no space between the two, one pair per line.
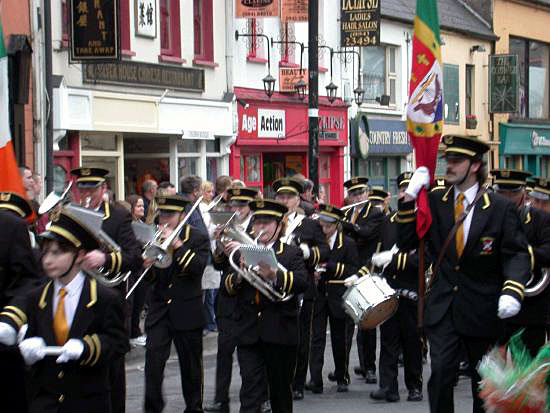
530,142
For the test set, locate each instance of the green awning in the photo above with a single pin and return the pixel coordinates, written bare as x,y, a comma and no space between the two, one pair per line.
521,139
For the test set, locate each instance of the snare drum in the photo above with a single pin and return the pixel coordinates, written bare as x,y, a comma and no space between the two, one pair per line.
370,301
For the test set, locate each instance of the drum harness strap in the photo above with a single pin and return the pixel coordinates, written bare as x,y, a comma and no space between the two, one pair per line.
451,235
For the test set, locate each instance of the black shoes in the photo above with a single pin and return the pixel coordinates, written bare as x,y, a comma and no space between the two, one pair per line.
342,388
297,395
217,407
415,396
359,371
331,376
266,407
313,387
371,377
383,394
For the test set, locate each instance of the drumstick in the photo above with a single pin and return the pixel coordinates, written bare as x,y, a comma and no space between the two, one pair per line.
336,281
378,247
52,351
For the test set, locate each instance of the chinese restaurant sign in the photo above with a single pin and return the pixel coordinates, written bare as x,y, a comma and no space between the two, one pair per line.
94,34
503,83
145,12
144,75
294,11
359,23
288,77
253,9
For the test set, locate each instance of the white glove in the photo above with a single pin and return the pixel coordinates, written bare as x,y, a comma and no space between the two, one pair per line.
348,282
32,350
8,335
508,306
72,350
22,333
382,259
305,250
420,178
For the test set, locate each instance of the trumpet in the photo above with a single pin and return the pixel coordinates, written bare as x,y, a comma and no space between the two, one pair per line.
160,251
214,203
345,208
540,286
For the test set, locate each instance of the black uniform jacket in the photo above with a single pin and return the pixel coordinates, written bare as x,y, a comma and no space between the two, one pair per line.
81,385
310,232
256,317
18,269
117,223
536,310
495,261
402,271
365,230
343,262
177,291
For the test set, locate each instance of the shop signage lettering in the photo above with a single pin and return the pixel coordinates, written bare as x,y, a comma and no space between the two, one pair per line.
145,12
249,124
379,136
294,10
94,34
388,138
288,77
360,23
144,74
271,123
503,84
538,140
253,9
331,122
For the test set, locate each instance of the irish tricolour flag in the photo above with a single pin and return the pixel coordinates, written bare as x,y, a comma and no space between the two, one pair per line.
425,108
10,180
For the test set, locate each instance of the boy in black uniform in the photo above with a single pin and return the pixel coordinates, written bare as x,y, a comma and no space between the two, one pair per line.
342,262
363,223
176,310
307,234
535,311
266,330
482,276
76,313
19,274
117,224
400,267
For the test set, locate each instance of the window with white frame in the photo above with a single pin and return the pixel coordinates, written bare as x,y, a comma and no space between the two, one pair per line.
379,72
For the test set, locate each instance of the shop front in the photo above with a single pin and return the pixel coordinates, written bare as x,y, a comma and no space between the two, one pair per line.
525,147
380,150
272,141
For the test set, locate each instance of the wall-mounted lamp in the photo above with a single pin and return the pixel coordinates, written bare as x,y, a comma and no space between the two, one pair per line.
477,48
269,81
243,103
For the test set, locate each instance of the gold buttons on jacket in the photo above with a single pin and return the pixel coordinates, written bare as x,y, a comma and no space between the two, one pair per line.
61,398
60,375
169,301
259,314
457,268
455,288
170,285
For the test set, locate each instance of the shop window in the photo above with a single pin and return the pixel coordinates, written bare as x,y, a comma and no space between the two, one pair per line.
533,64
450,86
203,33
188,146
379,73
470,87
64,23
98,142
187,166
212,169
213,146
287,49
255,44
170,40
252,166
324,167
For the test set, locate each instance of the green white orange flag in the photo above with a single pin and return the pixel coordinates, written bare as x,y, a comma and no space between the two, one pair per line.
425,108
10,179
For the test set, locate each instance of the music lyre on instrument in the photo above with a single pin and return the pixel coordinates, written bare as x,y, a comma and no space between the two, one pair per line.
52,200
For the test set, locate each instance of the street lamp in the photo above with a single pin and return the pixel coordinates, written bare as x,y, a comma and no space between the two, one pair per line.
300,86
269,81
331,91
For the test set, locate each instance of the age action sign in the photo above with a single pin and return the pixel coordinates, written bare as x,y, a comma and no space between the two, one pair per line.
267,123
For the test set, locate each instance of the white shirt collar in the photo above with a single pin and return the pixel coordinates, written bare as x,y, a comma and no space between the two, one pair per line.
74,287
332,239
469,194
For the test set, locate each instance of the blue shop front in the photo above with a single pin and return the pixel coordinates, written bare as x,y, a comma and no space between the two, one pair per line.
525,146
380,149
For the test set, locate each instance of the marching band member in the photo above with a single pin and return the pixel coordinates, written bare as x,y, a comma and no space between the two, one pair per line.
238,199
76,313
482,274
267,331
19,274
307,234
342,263
540,195
363,223
400,268
176,311
535,311
117,223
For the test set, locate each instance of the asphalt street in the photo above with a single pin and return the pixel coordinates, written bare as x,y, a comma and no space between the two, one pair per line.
355,401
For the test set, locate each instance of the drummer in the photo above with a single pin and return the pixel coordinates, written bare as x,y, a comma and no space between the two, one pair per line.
81,317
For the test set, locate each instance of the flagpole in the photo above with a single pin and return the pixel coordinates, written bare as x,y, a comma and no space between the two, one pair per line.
49,94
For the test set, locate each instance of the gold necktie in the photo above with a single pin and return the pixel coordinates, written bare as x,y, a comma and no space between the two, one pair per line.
459,209
355,215
60,326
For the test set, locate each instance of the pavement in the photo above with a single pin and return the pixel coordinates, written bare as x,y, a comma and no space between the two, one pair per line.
355,401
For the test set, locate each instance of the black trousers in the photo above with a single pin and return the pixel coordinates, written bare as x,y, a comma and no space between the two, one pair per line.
261,360
445,344
338,338
366,349
302,359
401,332
117,379
189,348
13,383
533,337
227,343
